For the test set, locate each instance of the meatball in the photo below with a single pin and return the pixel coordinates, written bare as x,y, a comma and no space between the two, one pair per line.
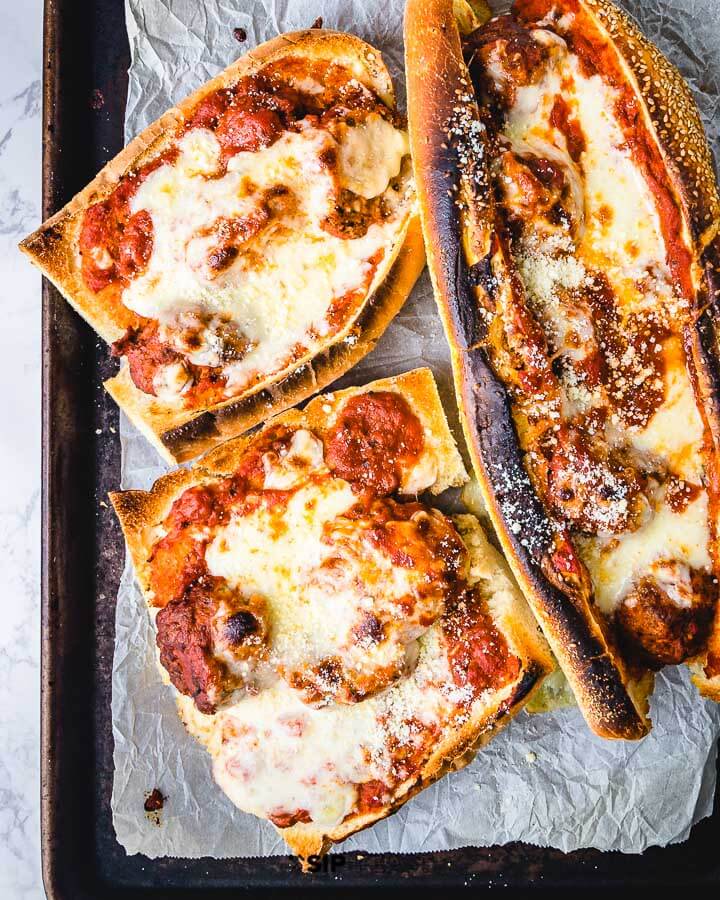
204,635
659,630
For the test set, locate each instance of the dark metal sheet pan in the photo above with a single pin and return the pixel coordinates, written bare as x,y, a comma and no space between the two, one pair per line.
86,59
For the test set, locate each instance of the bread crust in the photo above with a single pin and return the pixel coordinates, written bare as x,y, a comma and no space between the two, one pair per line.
140,512
439,90
179,434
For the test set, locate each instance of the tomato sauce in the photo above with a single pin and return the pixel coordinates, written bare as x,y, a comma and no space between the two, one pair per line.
372,795
114,244
342,307
287,819
567,124
376,435
480,658
178,559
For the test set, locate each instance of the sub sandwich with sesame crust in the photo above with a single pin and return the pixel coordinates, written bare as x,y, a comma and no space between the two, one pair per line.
571,217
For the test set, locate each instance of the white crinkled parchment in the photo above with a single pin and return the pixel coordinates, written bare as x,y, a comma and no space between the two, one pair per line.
545,780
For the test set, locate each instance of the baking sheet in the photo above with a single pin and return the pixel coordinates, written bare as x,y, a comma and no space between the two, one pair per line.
545,780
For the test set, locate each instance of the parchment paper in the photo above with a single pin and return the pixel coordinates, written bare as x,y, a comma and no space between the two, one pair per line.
545,780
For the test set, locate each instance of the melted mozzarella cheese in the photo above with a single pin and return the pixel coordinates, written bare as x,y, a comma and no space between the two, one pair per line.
290,757
280,289
674,434
171,381
612,180
610,177
290,469
303,274
421,476
272,753
320,574
276,556
681,537
620,236
370,156
199,153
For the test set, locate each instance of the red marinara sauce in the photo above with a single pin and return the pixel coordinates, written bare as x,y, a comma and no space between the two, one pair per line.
371,795
480,658
115,245
375,436
250,115
562,118
282,819
178,559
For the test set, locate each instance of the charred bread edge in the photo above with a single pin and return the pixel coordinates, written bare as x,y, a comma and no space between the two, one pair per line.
437,78
179,435
707,348
139,511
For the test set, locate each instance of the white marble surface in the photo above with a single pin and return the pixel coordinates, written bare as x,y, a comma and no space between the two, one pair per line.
20,153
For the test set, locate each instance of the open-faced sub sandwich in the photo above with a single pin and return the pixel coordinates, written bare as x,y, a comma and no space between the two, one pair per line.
571,214
336,643
250,245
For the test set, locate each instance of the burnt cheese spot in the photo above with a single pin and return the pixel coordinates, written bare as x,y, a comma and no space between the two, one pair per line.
240,626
